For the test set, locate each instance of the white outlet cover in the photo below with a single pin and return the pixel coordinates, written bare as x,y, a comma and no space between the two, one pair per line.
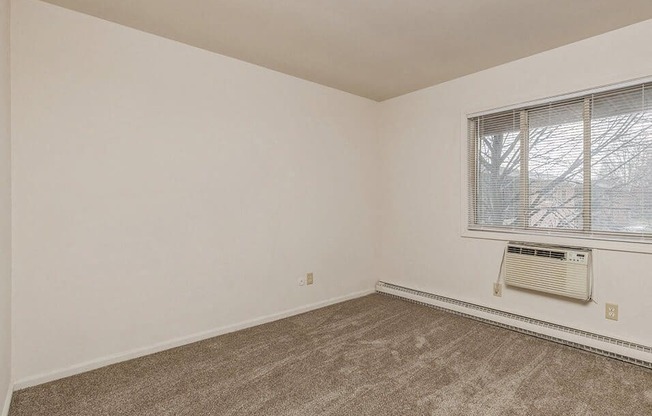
302,281
611,311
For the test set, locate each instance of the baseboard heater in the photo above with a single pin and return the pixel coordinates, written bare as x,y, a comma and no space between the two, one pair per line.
588,341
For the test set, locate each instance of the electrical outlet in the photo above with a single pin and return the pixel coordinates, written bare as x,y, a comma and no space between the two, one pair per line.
498,289
310,279
611,311
302,281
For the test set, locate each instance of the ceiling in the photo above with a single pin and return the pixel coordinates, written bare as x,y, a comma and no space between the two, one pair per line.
373,48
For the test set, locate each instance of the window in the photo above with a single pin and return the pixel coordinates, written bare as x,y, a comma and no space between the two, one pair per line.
580,166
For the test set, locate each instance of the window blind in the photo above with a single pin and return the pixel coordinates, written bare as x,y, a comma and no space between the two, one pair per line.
574,166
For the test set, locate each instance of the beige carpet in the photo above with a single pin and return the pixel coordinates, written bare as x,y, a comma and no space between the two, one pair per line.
371,356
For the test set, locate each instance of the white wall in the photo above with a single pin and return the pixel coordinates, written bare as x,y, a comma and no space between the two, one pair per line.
162,190
422,137
5,207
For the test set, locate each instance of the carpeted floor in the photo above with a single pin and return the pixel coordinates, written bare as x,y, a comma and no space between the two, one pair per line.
371,356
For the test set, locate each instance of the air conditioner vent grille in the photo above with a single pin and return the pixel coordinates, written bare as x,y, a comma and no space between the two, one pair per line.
560,255
514,249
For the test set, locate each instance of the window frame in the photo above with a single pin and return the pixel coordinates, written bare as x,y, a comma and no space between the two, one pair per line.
616,242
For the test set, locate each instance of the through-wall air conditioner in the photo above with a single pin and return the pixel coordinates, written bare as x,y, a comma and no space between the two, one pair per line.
561,271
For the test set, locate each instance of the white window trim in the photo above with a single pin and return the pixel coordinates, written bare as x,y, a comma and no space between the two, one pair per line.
595,241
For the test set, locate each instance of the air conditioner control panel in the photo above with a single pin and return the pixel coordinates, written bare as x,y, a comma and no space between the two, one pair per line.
575,257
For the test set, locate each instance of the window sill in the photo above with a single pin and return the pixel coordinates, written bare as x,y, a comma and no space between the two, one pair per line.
588,242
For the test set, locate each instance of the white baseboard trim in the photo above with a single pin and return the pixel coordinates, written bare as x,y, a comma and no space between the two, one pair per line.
166,345
611,347
5,408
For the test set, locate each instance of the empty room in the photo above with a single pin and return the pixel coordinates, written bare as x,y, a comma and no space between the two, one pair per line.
249,207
